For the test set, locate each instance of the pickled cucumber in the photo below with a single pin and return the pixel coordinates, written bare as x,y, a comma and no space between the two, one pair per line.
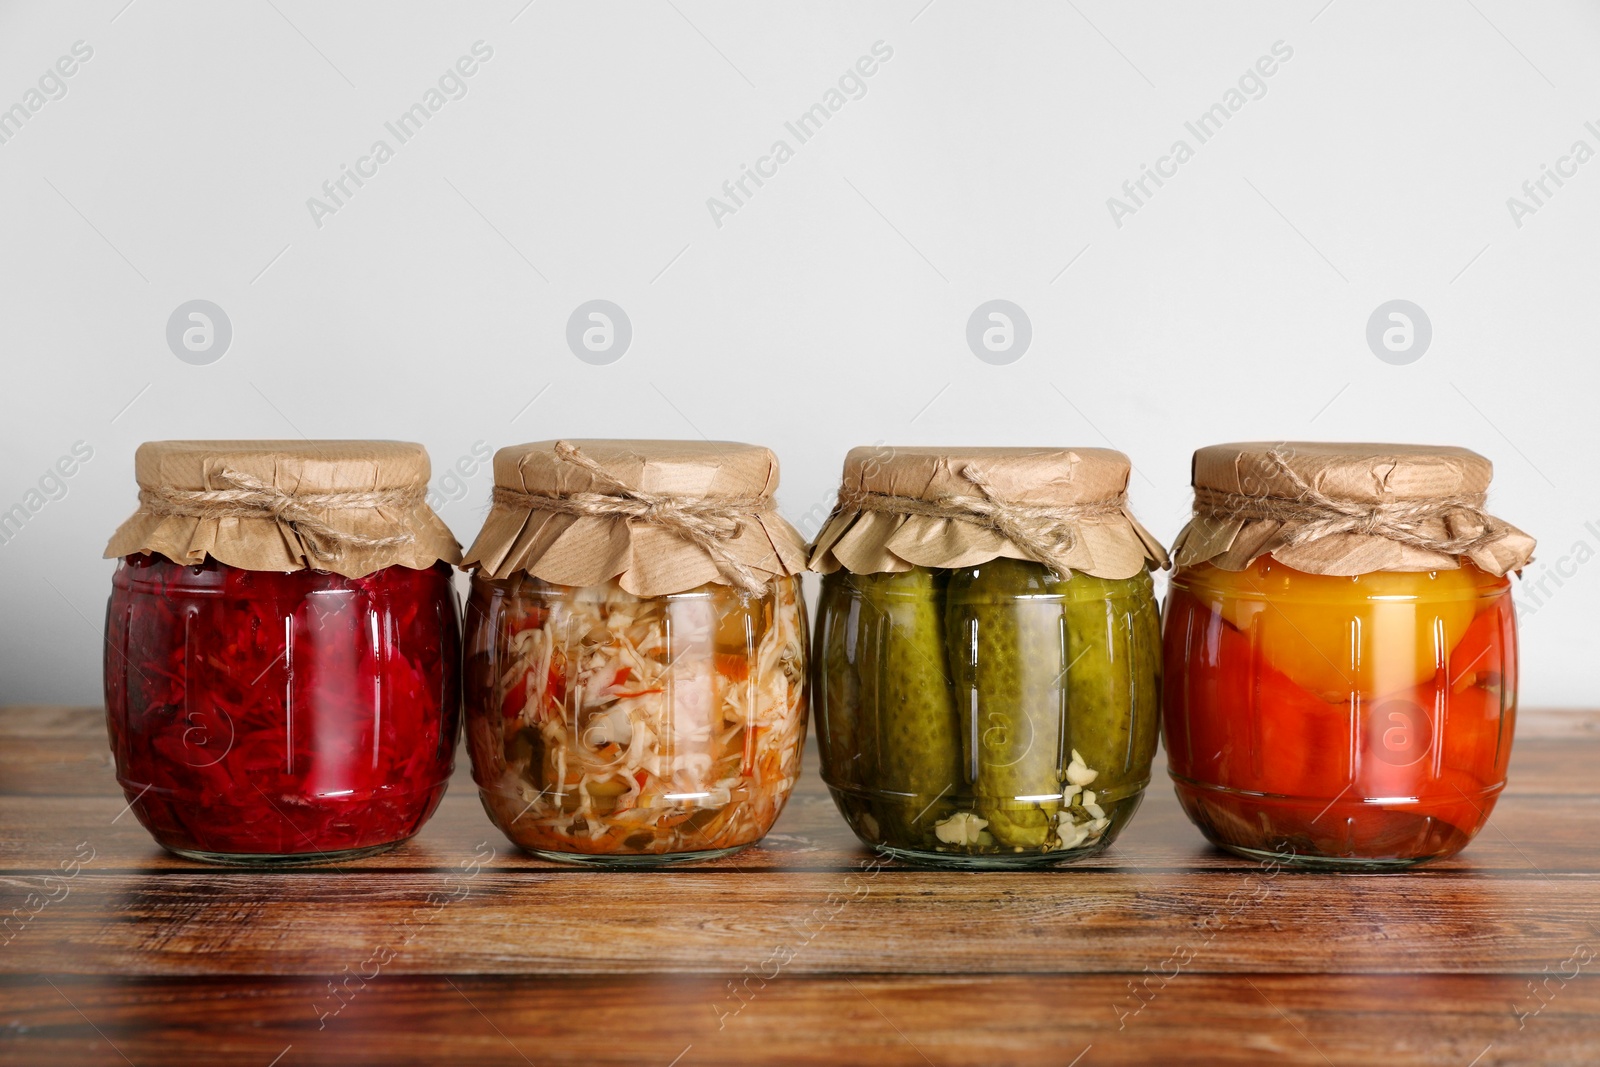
837,683
1007,622
1114,651
907,705
952,703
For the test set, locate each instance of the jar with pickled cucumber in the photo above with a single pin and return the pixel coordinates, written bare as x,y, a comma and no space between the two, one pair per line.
1340,652
635,677
987,653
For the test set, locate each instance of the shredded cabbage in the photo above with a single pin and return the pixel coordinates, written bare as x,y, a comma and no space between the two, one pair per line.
644,725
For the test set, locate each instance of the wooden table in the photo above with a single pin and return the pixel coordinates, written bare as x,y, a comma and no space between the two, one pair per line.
801,950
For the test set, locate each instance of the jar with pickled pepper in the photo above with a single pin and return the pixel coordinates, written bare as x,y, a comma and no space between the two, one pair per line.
987,653
635,650
1341,652
282,649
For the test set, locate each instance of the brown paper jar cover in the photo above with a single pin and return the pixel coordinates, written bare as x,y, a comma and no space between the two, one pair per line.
646,559
1363,474
1109,544
396,471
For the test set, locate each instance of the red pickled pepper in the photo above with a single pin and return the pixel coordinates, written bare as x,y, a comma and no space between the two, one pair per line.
265,713
1236,723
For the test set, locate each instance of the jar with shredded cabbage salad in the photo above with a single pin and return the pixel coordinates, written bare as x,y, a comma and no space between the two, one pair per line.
635,650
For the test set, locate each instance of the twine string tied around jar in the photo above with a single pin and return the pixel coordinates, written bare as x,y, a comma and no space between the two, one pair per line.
1043,532
707,522
248,497
1317,515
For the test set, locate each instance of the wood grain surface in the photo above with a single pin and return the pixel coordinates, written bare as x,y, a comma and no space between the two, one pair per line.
804,949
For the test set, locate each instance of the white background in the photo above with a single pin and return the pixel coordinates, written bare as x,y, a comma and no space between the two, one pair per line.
830,310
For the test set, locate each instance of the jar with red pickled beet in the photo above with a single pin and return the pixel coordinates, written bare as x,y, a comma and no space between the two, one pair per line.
635,650
1341,652
282,649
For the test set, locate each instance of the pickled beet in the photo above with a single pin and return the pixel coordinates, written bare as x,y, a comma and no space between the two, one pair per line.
263,715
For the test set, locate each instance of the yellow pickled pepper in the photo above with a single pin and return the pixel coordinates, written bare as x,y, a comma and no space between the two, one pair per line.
1375,633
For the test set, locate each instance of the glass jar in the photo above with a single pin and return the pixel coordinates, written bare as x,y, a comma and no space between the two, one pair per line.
615,729
636,650
262,717
987,716
988,651
1340,721
1341,652
282,661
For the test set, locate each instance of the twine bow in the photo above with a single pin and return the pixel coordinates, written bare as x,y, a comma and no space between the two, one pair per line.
250,498
1045,533
1315,515
706,522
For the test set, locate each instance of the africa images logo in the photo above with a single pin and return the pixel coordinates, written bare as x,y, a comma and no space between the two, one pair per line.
451,85
1251,85
851,85
51,85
